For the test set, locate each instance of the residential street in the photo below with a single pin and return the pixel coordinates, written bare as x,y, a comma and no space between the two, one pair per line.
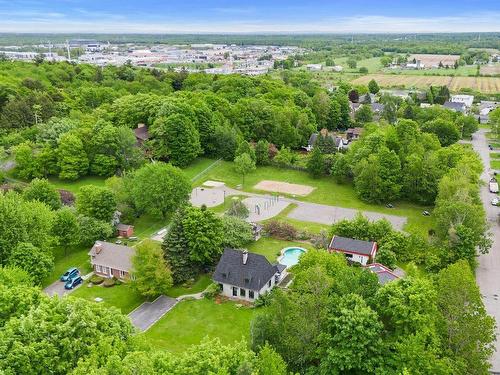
488,272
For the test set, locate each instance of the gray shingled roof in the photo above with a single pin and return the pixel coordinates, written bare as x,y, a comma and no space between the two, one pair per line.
253,275
460,107
115,256
121,226
142,133
350,244
312,139
383,273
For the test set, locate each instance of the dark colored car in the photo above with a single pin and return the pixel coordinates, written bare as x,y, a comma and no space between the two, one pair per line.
69,274
71,283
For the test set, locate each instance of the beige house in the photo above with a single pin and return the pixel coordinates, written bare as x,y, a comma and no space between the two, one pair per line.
111,260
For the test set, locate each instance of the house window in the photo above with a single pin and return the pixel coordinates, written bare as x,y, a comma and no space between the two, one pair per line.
269,283
235,291
348,256
251,294
122,274
243,292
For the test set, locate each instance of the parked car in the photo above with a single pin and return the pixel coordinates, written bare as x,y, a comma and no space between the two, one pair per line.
490,147
426,213
495,202
71,283
69,274
388,205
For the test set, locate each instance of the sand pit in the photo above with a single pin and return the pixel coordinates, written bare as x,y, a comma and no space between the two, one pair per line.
284,187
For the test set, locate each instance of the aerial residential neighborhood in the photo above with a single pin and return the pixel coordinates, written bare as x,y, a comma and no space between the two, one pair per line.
265,188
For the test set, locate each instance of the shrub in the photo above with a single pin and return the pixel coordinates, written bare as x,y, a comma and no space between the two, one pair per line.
96,279
107,283
281,230
212,291
238,209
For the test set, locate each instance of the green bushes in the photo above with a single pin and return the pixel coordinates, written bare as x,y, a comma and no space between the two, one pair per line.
96,279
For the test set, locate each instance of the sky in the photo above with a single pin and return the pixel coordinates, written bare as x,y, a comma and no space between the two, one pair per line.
271,16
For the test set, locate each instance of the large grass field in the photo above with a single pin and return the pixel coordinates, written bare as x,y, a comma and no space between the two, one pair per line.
191,321
121,296
65,258
461,71
326,191
484,84
199,285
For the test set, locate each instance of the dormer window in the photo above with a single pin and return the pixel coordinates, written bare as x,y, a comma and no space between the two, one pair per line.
224,275
247,280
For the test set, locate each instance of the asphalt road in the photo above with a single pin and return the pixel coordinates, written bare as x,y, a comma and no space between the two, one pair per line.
488,272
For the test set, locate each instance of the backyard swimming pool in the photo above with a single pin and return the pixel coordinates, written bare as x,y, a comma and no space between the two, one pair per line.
290,256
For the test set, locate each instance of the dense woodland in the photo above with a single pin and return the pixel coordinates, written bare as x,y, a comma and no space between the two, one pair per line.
70,121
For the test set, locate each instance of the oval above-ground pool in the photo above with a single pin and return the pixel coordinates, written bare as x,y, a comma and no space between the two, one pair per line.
290,256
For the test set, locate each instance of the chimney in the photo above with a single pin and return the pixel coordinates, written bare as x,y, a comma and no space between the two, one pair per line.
140,126
97,247
245,256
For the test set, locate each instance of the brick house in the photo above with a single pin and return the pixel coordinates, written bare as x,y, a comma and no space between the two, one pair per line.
111,260
359,251
124,230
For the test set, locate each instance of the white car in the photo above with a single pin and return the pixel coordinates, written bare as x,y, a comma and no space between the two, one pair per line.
495,202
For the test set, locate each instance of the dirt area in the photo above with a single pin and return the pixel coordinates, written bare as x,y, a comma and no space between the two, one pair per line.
430,60
284,187
491,70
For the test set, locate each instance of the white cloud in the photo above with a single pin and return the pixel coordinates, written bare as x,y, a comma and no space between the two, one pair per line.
104,23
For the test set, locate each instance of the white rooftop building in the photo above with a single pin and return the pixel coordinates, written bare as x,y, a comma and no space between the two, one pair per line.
464,99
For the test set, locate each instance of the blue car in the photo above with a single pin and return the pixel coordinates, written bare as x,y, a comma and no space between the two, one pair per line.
71,283
69,274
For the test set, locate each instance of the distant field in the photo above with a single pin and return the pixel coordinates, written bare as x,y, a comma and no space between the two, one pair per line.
483,84
490,69
468,70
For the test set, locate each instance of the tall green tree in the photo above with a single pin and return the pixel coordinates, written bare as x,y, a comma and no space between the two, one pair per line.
151,276
73,160
96,202
316,163
243,164
158,189
42,191
36,262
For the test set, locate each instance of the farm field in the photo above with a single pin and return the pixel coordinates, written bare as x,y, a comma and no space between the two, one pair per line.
483,84
493,69
467,71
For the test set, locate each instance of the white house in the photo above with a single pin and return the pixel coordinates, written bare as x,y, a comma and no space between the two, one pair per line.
467,100
314,67
359,251
245,276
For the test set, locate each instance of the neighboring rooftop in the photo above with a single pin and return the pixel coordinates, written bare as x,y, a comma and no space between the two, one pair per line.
111,255
141,132
251,274
352,245
454,106
383,273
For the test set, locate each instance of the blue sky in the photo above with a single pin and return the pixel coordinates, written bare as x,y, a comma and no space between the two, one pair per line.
194,16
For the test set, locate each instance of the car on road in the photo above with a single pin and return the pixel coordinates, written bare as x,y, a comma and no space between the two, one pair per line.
71,283
70,273
495,202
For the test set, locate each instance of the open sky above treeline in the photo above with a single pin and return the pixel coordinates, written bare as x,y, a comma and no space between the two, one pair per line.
223,16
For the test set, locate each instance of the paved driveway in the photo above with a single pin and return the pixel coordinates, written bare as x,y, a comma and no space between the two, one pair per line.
323,214
488,272
57,288
149,313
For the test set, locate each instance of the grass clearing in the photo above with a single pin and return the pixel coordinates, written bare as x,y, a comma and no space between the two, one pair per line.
74,186
121,296
74,257
191,321
495,155
199,285
495,164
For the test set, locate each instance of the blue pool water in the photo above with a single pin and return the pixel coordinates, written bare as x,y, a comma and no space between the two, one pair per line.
291,256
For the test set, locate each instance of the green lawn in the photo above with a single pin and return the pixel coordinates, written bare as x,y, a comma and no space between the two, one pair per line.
199,285
327,191
466,71
194,170
75,257
120,296
190,321
271,247
495,155
495,164
146,225
74,186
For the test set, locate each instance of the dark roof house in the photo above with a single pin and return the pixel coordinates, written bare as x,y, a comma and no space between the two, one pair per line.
141,133
352,245
244,270
454,106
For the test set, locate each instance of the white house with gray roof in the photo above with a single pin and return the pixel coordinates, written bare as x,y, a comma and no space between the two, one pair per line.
111,260
245,276
359,251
